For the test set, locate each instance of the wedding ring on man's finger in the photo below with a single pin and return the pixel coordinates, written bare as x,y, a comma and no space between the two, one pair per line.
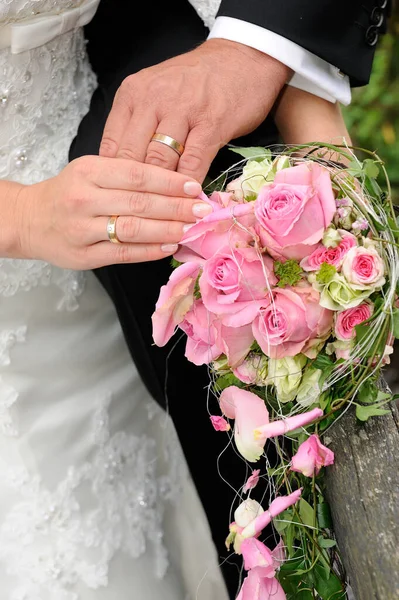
111,230
168,141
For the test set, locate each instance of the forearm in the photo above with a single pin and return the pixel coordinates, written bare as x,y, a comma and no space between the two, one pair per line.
302,118
11,213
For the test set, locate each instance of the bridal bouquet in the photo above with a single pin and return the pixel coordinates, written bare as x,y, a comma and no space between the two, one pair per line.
287,290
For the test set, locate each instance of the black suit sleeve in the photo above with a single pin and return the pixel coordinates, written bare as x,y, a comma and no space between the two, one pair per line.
342,32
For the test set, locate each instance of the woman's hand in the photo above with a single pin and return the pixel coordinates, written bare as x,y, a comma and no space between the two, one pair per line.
63,220
302,118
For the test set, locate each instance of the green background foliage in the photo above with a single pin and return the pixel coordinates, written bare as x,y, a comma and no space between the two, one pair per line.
373,116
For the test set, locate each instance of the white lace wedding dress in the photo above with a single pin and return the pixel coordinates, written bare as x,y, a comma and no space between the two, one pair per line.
95,499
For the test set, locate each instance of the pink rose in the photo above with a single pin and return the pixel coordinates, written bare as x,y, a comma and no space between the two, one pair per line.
287,325
347,320
175,300
311,456
364,267
332,256
233,282
208,338
231,226
200,327
293,212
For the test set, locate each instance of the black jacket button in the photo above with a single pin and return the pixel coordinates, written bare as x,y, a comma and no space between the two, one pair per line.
371,36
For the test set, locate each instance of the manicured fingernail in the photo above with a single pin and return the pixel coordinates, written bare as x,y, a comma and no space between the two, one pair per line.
188,226
202,209
192,188
169,248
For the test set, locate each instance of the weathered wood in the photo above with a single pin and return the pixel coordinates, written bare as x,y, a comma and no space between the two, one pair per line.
363,492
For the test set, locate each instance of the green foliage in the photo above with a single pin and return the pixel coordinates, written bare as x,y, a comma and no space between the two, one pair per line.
253,152
373,117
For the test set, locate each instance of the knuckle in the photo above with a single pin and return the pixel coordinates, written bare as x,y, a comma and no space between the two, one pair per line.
179,206
139,203
135,176
157,156
108,146
127,153
123,253
83,166
191,158
130,228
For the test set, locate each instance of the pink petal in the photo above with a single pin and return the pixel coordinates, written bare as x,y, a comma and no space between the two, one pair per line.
249,411
219,424
289,424
276,507
252,481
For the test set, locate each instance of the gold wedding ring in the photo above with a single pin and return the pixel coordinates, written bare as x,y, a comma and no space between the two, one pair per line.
168,141
111,230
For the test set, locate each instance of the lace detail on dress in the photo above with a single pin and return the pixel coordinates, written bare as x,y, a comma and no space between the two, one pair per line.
207,10
129,501
8,396
8,339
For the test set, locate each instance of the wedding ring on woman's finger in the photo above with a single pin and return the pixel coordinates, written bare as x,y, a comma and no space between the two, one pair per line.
111,230
168,141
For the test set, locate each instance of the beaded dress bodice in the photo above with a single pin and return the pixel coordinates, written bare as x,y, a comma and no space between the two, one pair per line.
89,465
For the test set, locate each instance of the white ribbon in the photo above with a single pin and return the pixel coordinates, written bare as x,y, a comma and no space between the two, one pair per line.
41,29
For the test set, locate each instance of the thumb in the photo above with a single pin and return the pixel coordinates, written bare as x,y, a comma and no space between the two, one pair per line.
199,152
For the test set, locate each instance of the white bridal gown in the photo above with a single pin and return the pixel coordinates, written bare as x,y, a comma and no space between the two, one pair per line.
95,499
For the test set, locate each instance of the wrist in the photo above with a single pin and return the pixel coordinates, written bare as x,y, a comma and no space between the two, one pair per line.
13,209
271,68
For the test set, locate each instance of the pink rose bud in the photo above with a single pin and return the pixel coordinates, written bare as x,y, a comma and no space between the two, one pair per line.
364,268
219,424
252,481
256,587
332,256
347,320
311,456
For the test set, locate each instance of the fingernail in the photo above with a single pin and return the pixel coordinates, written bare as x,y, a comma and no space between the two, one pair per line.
188,226
202,209
169,248
192,188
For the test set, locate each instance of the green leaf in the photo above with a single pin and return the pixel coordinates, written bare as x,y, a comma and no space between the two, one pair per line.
283,520
324,515
322,361
227,380
326,273
306,513
368,392
289,272
328,588
395,322
253,152
289,538
174,263
370,168
363,413
326,542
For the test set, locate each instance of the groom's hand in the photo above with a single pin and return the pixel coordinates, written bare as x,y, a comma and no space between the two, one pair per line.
203,99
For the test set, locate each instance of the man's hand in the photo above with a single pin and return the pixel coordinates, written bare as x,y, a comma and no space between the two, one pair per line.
203,99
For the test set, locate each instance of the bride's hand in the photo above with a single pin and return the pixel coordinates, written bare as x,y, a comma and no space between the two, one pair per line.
64,220
302,118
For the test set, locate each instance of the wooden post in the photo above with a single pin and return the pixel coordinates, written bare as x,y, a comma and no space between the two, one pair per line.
363,492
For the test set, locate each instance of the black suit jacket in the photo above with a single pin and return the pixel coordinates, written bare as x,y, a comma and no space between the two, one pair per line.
120,44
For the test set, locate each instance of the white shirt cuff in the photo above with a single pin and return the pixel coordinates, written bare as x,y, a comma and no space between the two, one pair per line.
311,73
